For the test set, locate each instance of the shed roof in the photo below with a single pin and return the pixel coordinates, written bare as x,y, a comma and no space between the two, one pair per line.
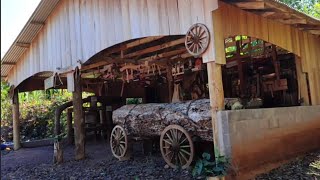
271,9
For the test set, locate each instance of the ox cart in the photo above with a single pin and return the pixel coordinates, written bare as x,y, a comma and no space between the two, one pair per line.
178,125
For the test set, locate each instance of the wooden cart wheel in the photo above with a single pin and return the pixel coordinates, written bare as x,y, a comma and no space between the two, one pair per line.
118,142
176,146
197,39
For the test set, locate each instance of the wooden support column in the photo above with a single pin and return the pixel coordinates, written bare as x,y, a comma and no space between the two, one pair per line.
169,81
69,126
16,122
216,99
79,131
304,97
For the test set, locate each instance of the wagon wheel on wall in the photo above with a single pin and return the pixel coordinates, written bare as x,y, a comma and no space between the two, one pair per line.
197,39
119,142
176,146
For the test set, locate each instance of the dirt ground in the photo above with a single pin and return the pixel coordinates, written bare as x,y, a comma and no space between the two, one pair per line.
37,163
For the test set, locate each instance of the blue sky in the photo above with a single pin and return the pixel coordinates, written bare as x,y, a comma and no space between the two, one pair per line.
14,15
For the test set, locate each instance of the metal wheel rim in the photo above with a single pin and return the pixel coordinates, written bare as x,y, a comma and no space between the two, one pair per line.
118,142
176,157
197,39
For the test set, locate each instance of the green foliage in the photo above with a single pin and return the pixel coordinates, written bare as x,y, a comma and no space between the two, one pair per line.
205,167
310,7
133,100
36,112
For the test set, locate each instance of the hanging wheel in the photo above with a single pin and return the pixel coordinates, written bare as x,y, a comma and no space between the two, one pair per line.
176,146
197,39
118,142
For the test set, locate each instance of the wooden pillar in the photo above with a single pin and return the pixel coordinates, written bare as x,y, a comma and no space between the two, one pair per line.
216,98
69,126
16,121
302,83
169,81
79,131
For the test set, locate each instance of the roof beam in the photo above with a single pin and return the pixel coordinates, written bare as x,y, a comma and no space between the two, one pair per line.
293,21
8,63
250,5
22,44
155,48
131,45
37,23
164,55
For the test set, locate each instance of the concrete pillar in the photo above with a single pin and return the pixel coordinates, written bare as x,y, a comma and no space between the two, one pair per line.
16,122
79,131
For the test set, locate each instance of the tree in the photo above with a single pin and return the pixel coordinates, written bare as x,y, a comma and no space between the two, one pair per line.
309,7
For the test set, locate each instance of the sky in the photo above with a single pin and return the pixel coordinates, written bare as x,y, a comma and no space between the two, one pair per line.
14,15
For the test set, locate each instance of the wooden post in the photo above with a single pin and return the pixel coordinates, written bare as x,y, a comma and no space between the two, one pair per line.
69,126
16,122
169,81
79,132
302,83
216,98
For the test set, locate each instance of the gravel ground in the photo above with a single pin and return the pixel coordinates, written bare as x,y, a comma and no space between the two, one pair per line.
36,163
306,167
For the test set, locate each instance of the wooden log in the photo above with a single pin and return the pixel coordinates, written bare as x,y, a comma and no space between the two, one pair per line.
79,131
149,120
16,122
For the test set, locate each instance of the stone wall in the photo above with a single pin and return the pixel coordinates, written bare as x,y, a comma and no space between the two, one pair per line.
257,137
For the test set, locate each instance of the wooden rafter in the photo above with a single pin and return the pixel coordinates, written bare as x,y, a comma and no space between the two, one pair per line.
164,55
155,48
131,45
251,5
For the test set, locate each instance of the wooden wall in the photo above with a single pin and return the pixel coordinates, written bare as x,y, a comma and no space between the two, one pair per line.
229,21
78,29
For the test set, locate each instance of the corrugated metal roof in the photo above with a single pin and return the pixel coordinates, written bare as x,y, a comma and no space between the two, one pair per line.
45,7
27,34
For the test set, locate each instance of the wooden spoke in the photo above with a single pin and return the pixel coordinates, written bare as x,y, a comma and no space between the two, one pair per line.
195,35
118,142
176,150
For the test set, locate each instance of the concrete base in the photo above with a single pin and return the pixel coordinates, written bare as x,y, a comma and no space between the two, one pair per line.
254,138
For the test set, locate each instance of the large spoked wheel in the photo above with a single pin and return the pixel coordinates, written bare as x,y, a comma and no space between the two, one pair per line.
118,142
176,146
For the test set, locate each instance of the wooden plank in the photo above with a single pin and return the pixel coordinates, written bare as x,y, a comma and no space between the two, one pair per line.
155,48
218,36
164,55
251,5
173,17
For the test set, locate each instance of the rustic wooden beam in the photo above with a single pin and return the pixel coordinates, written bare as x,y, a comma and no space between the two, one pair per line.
22,44
79,131
16,122
216,99
251,5
131,45
155,48
69,126
316,32
293,21
164,55
169,81
38,23
8,63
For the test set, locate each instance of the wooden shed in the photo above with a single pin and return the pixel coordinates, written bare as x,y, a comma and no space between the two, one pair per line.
89,45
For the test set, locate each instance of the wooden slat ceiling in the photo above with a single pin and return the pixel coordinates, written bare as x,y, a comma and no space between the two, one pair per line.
275,10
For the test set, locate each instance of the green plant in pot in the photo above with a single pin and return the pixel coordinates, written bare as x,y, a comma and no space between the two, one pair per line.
205,168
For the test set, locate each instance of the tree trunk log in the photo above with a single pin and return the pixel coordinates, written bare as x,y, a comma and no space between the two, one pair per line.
79,131
148,120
